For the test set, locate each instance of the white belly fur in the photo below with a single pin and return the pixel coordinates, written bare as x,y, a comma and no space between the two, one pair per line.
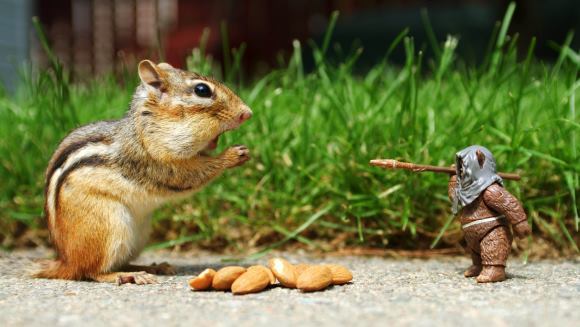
135,219
128,238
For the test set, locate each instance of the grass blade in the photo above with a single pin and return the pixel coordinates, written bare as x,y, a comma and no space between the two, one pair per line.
288,237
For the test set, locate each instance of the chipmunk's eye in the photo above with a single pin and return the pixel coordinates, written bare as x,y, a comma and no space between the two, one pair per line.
202,90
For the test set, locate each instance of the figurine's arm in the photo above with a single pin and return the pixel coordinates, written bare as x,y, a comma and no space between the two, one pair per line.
502,201
451,187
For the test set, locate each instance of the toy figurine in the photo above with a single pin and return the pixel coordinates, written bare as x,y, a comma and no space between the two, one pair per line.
487,209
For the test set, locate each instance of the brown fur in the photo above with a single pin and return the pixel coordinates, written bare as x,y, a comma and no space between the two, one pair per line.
106,178
489,243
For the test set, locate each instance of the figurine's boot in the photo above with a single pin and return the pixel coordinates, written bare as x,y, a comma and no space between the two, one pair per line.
491,274
495,248
475,268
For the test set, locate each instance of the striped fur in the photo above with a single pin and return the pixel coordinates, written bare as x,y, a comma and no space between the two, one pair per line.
105,179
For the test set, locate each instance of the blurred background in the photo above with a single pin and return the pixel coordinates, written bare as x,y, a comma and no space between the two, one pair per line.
323,109
100,36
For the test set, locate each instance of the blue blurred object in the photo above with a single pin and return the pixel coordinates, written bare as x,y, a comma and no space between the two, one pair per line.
14,39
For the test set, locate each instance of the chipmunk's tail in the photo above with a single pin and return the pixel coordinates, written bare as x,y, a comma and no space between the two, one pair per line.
56,269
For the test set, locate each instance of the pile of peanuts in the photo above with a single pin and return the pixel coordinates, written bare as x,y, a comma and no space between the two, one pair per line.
240,280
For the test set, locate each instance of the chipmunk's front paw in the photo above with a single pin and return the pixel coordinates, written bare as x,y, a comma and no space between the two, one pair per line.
236,156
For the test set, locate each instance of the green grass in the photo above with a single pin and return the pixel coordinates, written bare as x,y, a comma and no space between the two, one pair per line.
313,134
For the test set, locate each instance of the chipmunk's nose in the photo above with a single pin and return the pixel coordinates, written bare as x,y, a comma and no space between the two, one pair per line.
245,115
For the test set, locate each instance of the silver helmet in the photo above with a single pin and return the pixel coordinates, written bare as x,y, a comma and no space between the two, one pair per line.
475,166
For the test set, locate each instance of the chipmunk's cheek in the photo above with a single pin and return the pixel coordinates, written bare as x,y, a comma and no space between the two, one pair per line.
211,133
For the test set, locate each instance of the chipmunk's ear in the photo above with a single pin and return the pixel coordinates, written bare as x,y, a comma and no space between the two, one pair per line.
480,158
149,74
164,65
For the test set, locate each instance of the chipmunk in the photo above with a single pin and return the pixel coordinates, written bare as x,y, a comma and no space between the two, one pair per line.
106,178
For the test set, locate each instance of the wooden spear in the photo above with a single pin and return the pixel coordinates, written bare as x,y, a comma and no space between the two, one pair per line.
394,164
